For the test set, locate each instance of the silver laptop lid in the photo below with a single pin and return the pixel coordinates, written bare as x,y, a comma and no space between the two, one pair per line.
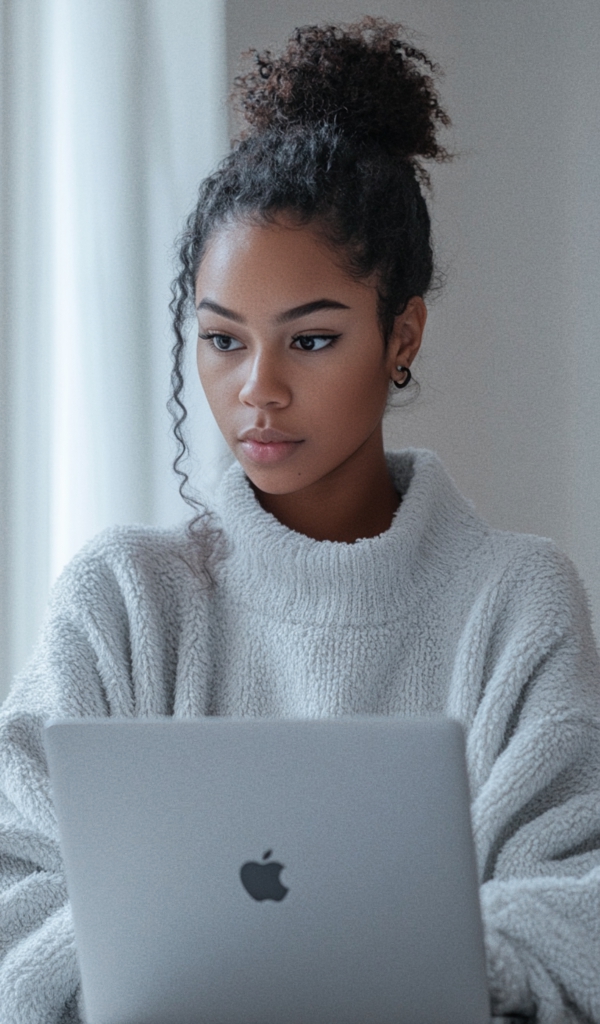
227,871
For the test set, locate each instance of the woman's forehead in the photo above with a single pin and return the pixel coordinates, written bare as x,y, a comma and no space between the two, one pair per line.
274,257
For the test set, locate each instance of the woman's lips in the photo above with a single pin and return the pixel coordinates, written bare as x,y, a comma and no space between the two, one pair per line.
272,451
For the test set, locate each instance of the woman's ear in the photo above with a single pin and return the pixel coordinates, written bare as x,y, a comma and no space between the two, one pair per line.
407,333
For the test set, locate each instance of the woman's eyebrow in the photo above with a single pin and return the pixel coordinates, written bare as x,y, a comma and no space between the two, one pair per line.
308,307
221,310
281,318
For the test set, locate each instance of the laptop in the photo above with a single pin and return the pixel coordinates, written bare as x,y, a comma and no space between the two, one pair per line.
270,871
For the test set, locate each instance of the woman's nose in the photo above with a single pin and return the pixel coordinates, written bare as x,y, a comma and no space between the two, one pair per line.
265,383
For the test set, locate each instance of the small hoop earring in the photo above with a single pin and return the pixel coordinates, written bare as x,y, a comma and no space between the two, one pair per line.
407,379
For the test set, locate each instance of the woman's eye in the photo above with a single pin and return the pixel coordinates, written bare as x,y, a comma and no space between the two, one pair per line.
222,342
314,342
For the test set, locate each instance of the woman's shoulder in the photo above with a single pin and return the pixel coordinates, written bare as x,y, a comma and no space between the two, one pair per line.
540,580
137,562
532,573
526,567
120,544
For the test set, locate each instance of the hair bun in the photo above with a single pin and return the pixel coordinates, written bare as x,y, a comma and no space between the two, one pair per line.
363,78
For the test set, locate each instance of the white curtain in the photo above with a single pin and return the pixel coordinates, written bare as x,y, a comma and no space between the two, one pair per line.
112,112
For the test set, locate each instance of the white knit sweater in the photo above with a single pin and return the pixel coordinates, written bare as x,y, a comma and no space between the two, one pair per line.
440,613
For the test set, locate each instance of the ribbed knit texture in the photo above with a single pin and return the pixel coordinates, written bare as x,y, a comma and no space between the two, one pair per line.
439,614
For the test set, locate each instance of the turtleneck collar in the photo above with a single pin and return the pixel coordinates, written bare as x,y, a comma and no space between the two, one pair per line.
286,573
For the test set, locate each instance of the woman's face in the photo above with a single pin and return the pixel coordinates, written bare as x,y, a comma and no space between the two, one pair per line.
290,343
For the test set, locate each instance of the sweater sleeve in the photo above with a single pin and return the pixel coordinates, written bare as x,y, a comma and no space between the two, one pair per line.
534,758
80,668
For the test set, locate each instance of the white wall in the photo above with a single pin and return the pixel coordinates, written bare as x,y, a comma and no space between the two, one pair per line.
510,365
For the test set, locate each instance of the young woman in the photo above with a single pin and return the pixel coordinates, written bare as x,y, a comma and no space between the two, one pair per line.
328,577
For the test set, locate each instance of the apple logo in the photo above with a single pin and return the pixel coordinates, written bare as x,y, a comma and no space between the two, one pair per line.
261,881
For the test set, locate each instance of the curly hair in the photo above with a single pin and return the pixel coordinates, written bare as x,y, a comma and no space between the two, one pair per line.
335,127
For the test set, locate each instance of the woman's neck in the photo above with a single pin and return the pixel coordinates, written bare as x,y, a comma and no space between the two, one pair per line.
356,500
